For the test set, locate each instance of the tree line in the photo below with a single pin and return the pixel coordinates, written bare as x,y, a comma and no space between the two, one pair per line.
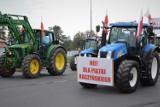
64,40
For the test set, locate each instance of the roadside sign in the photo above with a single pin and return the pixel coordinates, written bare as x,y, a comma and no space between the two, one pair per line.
95,70
156,25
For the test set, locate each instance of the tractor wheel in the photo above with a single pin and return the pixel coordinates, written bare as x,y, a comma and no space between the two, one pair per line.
86,85
4,71
73,64
152,70
57,62
127,76
31,66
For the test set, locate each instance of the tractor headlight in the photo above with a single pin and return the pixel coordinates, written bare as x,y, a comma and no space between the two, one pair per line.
98,54
89,55
109,54
10,53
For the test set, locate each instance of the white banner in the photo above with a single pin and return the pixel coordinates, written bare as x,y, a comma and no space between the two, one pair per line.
156,25
95,70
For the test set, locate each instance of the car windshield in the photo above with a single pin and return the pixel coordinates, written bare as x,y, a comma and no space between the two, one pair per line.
91,43
122,34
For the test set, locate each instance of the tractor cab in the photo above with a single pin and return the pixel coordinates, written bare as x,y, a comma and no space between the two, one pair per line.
48,38
91,47
122,40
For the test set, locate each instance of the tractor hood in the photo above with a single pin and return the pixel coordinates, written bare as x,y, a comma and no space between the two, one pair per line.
114,50
21,46
86,51
19,49
16,53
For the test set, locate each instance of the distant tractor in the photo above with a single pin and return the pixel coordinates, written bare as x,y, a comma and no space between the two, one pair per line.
90,49
134,60
30,51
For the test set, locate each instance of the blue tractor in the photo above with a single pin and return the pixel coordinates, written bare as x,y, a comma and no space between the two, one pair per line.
90,49
135,60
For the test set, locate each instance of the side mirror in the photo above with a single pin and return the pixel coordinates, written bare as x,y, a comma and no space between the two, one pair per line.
56,41
97,28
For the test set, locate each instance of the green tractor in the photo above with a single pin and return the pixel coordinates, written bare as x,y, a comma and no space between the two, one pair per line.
29,50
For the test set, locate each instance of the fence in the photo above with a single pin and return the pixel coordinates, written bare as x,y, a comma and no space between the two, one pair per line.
1,51
71,53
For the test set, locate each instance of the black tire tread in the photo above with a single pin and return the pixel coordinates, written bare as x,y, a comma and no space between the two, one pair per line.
122,78
26,64
148,63
87,85
73,66
3,73
52,68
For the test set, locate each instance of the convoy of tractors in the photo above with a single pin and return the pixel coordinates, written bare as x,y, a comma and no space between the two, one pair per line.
132,60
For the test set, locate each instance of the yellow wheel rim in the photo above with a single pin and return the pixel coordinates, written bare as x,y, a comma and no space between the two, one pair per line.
59,61
34,66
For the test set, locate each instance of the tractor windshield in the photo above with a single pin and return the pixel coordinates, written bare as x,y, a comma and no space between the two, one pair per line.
157,41
122,34
91,43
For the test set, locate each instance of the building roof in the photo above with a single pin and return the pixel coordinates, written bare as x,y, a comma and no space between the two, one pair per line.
1,40
3,43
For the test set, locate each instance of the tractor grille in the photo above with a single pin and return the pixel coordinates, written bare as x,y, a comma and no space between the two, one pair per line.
19,50
103,54
82,54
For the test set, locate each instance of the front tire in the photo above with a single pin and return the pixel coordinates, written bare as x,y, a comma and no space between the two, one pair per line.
73,64
127,76
4,71
152,70
86,85
31,66
57,62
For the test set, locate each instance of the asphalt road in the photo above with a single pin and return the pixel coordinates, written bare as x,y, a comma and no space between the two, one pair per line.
65,91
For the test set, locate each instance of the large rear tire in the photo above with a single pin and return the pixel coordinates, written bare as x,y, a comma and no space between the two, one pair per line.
57,62
152,70
127,76
31,66
73,64
4,71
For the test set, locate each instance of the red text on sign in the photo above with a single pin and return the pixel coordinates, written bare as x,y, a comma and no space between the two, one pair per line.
94,70
95,78
93,63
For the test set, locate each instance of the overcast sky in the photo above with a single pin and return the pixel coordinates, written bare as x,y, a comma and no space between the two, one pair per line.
74,15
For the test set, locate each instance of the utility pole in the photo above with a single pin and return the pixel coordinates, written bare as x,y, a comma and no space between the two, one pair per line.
90,17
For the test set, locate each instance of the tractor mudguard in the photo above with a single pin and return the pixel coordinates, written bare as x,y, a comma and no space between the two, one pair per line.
147,50
52,48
